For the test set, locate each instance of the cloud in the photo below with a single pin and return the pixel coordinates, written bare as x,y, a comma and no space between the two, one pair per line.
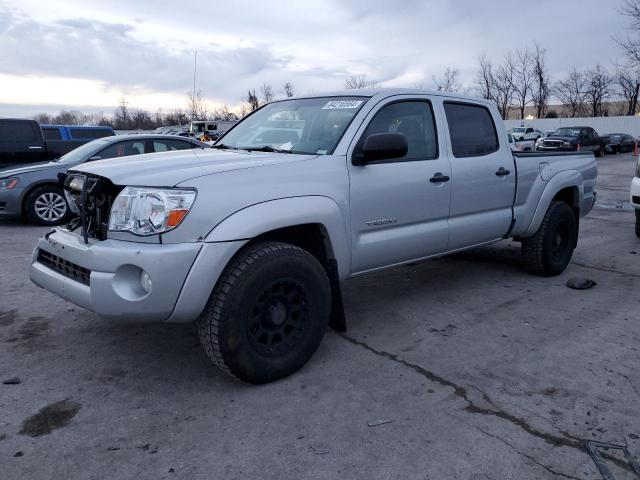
147,46
112,54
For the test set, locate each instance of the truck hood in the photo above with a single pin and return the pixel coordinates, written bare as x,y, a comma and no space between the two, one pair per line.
32,167
172,168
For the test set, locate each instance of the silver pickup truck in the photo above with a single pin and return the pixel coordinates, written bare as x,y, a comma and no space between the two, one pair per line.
252,238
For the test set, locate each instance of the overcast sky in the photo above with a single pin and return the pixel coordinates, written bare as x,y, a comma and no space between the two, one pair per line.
87,55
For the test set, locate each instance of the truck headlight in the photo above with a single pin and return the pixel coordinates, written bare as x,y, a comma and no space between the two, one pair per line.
149,211
8,183
566,144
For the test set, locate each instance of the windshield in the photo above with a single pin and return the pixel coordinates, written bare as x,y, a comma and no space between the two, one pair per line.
83,152
306,126
567,132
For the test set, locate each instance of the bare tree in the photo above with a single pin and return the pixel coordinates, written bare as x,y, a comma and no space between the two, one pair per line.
448,81
541,82
223,113
522,78
177,117
43,118
196,105
598,90
503,86
357,82
267,93
485,80
252,101
631,42
571,93
628,82
288,89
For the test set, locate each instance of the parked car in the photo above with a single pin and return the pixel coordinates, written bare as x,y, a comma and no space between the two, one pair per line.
34,190
253,236
539,141
24,141
520,146
620,143
525,133
571,138
635,196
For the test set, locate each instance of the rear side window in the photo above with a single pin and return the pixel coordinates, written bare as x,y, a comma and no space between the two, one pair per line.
19,131
51,134
413,119
471,128
171,145
90,132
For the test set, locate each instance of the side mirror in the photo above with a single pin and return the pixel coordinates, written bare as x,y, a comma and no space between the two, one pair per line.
382,146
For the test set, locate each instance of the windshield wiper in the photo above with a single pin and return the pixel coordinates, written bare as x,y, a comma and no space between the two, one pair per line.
222,146
264,148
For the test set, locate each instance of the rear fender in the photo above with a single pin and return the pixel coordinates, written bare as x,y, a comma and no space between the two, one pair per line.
565,179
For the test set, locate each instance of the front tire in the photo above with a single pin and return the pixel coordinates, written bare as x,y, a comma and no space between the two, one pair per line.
46,205
638,223
267,314
549,250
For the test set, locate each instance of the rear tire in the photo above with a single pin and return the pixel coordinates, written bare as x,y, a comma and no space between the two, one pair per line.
549,250
600,151
267,314
46,205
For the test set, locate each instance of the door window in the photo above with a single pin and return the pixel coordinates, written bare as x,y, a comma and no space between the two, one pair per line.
122,149
471,128
171,145
51,134
413,119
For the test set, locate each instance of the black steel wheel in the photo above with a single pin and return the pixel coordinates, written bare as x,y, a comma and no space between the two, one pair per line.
549,250
267,313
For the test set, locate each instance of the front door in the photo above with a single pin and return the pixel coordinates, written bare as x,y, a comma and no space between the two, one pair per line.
399,207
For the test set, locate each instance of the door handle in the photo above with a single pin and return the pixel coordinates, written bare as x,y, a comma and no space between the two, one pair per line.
439,178
502,172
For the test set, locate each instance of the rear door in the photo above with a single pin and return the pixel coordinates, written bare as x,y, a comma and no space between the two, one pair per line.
21,141
483,176
399,207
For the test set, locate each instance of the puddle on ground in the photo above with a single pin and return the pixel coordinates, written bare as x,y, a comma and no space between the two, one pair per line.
49,418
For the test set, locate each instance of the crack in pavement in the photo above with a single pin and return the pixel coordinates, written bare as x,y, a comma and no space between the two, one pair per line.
529,457
566,440
604,269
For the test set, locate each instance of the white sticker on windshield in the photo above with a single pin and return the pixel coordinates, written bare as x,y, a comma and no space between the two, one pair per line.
340,104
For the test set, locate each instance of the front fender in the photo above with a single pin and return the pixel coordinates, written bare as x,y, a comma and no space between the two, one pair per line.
287,212
560,181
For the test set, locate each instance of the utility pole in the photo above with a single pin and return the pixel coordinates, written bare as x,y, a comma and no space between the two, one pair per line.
193,95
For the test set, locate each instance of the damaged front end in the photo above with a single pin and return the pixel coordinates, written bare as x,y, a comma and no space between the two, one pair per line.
90,197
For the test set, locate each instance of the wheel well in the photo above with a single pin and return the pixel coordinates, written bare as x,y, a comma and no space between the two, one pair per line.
26,194
313,238
570,196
